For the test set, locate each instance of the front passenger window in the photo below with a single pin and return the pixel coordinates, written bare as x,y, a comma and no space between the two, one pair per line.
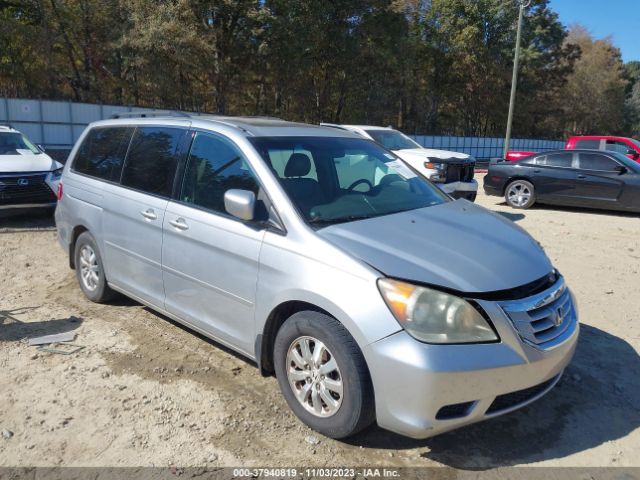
594,161
214,166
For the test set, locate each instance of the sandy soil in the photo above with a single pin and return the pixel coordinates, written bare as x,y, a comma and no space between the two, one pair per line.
146,392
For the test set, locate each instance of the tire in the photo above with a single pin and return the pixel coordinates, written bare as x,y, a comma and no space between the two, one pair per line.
520,194
90,270
355,405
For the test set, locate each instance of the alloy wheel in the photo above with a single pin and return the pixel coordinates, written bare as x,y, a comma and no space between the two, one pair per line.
519,194
314,376
89,268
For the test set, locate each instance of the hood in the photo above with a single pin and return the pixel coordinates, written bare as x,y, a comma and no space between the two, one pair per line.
27,163
423,154
456,245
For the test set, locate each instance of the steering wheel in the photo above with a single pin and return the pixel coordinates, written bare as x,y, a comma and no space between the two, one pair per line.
358,182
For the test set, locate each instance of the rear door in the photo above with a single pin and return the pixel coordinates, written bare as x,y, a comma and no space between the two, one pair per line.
598,182
210,259
134,211
553,177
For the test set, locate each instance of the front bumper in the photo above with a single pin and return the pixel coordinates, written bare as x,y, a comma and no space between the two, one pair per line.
453,187
27,190
423,390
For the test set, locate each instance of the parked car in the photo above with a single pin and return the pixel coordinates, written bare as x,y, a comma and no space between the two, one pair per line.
626,146
257,233
580,178
623,145
28,176
452,172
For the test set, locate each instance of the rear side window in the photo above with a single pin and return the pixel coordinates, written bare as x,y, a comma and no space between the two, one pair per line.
555,160
593,161
215,166
152,160
102,153
588,144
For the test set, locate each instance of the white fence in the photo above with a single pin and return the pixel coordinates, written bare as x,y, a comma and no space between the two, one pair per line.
57,126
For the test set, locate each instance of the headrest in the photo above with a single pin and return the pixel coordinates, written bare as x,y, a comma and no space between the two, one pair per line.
298,165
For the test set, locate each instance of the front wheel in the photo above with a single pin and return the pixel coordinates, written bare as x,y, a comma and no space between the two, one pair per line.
520,194
323,376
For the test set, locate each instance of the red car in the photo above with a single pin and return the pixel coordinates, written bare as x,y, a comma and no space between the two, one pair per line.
624,145
627,146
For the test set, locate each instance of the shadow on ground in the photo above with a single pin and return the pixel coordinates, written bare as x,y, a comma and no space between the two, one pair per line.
598,400
561,208
13,330
514,217
33,219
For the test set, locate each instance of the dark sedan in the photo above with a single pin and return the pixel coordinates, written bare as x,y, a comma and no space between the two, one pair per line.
577,178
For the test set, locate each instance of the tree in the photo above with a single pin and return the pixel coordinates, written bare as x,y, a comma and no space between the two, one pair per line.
594,94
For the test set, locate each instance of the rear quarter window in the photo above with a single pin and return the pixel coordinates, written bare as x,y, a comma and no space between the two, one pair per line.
588,144
102,153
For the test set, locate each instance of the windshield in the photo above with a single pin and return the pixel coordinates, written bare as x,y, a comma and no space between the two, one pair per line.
392,139
14,143
332,180
627,162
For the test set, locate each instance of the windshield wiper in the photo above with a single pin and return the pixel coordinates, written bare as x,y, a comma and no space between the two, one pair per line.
349,218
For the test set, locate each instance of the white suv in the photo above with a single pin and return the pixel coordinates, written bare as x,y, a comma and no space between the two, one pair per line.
28,177
451,171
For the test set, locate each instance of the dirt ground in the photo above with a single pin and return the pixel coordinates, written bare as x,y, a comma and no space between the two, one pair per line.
146,392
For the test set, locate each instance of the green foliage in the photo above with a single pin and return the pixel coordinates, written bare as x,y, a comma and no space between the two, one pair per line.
429,66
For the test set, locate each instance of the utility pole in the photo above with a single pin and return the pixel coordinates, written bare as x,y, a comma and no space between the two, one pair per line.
514,79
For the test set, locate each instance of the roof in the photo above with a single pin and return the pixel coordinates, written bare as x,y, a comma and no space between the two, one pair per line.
250,126
363,127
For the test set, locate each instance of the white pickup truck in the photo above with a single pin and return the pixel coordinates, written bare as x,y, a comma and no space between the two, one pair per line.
451,171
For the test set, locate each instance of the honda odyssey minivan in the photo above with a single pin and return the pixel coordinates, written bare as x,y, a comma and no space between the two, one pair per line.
370,294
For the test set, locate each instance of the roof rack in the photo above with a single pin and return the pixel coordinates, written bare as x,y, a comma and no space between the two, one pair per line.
150,114
6,125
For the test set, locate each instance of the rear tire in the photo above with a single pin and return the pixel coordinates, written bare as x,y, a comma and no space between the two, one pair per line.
520,194
335,399
90,270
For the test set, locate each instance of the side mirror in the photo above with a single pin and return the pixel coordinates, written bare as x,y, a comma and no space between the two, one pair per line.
240,203
621,169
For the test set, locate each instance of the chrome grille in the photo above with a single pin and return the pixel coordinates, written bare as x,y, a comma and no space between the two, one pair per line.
542,319
24,189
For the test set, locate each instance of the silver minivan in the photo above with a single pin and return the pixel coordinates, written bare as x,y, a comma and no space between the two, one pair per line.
370,294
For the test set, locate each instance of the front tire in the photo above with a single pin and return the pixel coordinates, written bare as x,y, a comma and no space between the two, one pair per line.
520,194
323,376
90,270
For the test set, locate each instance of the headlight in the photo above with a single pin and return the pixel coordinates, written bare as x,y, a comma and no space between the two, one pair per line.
439,168
432,316
56,174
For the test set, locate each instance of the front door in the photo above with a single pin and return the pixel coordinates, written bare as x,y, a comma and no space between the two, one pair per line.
599,183
210,259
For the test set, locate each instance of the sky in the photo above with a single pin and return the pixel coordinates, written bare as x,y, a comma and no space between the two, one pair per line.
618,18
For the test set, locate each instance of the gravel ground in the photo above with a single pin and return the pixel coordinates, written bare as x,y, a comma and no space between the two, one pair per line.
146,392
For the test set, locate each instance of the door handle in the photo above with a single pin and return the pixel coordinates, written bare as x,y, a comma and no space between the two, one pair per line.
537,170
179,223
149,214
582,176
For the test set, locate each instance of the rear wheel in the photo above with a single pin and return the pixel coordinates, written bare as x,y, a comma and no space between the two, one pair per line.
90,270
323,376
520,194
